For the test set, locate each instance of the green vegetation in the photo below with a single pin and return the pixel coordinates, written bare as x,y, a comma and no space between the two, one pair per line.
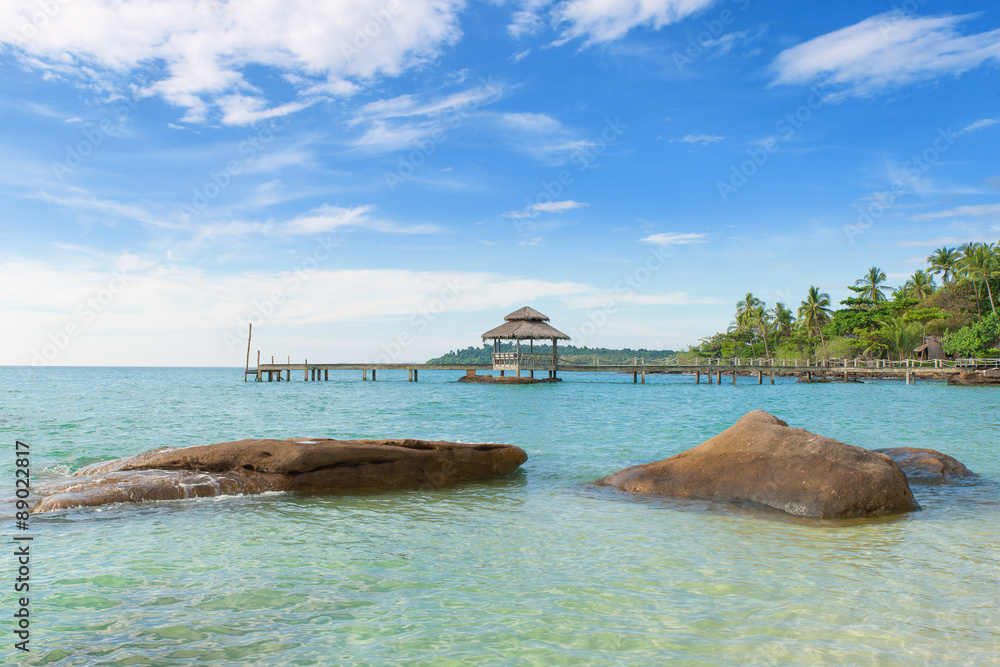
879,322
567,353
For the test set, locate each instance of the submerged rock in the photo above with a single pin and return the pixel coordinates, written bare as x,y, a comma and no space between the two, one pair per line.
928,466
761,460
256,466
507,379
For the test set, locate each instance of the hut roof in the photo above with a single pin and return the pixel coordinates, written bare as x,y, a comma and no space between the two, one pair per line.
526,314
525,330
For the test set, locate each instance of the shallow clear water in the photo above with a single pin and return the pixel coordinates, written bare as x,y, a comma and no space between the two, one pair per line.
536,568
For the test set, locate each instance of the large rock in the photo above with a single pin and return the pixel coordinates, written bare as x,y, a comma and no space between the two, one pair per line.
929,466
989,378
255,466
760,460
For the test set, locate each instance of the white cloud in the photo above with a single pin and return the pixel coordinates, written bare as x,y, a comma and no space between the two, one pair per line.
205,47
961,211
519,56
978,125
702,139
607,20
319,221
164,315
545,207
952,241
673,238
401,122
885,51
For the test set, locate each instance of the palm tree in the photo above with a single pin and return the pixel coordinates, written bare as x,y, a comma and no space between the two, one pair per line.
784,319
919,285
979,265
760,320
901,337
744,309
944,261
815,311
871,282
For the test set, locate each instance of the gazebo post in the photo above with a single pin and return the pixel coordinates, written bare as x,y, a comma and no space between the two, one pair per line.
517,357
555,359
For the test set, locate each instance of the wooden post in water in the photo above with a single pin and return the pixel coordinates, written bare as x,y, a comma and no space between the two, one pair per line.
364,374
247,368
760,377
415,378
697,377
734,376
772,377
373,375
259,375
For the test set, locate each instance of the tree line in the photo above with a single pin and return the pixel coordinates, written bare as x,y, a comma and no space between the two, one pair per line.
570,354
878,321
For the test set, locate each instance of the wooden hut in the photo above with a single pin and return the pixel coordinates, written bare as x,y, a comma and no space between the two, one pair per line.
930,349
525,324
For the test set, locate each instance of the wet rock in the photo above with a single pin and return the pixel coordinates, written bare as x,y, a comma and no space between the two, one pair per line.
929,466
511,379
988,378
300,464
761,460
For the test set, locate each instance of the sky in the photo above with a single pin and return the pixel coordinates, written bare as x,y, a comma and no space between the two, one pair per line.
384,180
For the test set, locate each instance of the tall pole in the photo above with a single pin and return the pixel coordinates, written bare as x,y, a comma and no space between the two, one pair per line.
246,369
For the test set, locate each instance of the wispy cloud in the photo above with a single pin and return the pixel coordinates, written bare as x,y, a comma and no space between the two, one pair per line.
977,210
979,125
599,21
674,238
885,51
701,139
545,207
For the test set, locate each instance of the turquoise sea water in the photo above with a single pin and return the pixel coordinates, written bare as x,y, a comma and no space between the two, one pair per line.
537,568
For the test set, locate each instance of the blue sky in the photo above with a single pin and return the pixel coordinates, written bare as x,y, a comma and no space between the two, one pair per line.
384,180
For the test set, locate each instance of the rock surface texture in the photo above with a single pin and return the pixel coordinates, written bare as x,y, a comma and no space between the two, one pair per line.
760,460
990,378
300,464
928,466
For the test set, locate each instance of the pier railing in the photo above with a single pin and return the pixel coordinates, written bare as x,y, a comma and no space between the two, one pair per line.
525,360
772,362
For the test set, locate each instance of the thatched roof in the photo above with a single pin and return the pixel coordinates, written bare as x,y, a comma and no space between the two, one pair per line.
525,330
528,314
525,324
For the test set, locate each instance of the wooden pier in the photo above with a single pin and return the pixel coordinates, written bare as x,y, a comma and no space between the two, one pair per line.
715,371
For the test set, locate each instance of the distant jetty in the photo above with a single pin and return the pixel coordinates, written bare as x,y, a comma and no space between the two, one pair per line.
526,325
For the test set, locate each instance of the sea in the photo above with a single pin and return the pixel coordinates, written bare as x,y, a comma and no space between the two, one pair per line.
541,567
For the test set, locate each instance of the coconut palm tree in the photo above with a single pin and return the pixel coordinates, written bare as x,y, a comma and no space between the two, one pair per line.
744,309
760,320
784,319
919,285
871,282
980,265
944,261
901,337
815,311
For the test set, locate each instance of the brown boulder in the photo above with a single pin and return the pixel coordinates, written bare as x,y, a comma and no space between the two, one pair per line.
988,378
300,464
760,460
928,466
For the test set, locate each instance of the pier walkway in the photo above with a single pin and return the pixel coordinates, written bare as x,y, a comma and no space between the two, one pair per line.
525,364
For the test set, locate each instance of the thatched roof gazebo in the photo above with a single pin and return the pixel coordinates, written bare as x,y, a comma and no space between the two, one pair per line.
530,325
